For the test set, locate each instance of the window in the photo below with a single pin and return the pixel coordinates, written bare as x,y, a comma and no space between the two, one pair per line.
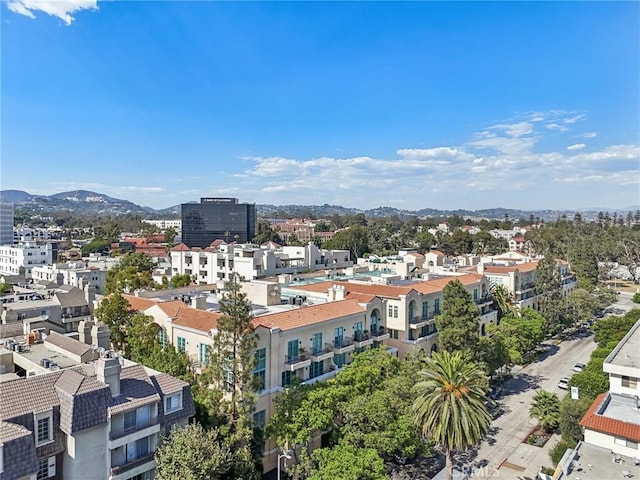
629,382
288,378
625,443
129,420
259,373
425,310
162,337
43,428
475,294
173,403
393,334
137,449
46,468
395,312
436,306
390,311
203,353
260,418
182,344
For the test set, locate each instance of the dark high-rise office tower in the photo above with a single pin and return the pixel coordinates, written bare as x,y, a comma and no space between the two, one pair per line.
217,218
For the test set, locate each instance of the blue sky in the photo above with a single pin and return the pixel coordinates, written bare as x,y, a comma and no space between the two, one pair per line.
365,104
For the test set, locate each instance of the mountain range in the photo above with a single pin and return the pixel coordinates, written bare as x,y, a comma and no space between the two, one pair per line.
84,202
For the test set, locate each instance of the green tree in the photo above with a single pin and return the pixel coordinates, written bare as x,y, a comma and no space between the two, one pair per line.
265,233
548,283
193,453
502,300
458,324
354,239
232,360
140,260
5,288
449,408
114,311
581,305
347,462
546,409
571,412
170,234
520,335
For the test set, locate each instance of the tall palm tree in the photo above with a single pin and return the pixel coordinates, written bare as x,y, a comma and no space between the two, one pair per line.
503,300
449,407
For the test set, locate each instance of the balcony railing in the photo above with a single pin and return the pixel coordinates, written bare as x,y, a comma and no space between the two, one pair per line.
380,333
115,434
322,353
418,322
362,339
343,345
132,464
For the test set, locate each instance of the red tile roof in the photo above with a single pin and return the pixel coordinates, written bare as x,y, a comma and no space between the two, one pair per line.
181,248
301,317
139,304
610,426
197,319
521,267
436,252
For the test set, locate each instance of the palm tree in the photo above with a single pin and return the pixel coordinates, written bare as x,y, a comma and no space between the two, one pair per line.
546,408
503,300
449,407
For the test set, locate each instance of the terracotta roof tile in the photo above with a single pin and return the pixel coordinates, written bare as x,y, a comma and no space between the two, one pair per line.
180,248
201,320
610,426
138,303
521,267
436,252
301,317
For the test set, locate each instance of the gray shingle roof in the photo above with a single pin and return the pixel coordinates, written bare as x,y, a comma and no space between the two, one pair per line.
73,298
19,452
28,395
83,401
69,344
136,389
168,384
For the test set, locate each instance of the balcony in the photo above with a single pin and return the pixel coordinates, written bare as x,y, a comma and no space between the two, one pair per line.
362,339
380,334
482,301
296,362
343,345
525,287
418,322
321,354
120,469
115,434
75,317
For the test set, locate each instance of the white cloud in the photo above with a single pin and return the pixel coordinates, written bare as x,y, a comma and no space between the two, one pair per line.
588,135
556,126
575,118
62,9
576,146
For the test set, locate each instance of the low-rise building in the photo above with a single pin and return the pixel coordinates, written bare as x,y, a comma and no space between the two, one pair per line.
22,258
74,274
219,261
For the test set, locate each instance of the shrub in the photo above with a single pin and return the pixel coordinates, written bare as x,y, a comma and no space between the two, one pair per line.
636,297
558,450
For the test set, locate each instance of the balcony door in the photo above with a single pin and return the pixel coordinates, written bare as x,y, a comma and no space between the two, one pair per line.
293,350
316,342
338,336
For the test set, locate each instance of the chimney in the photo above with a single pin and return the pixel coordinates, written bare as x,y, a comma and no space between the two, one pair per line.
481,268
108,371
199,302
339,292
101,335
84,330
90,295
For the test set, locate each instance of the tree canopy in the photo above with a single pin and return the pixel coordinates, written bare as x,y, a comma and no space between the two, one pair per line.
459,321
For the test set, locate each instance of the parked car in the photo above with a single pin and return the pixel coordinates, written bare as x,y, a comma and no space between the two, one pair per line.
564,383
579,367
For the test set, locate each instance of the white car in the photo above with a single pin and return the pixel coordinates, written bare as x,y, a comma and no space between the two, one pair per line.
564,383
579,367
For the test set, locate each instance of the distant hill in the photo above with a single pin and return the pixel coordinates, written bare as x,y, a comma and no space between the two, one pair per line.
84,202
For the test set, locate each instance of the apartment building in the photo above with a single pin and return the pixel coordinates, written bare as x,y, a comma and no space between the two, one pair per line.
611,446
23,258
303,230
82,414
408,309
163,224
26,234
306,343
519,277
60,308
220,260
74,274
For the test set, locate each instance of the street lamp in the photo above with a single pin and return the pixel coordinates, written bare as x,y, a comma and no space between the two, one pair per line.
286,455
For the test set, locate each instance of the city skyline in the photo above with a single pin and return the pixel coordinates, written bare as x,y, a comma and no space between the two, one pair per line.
408,105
